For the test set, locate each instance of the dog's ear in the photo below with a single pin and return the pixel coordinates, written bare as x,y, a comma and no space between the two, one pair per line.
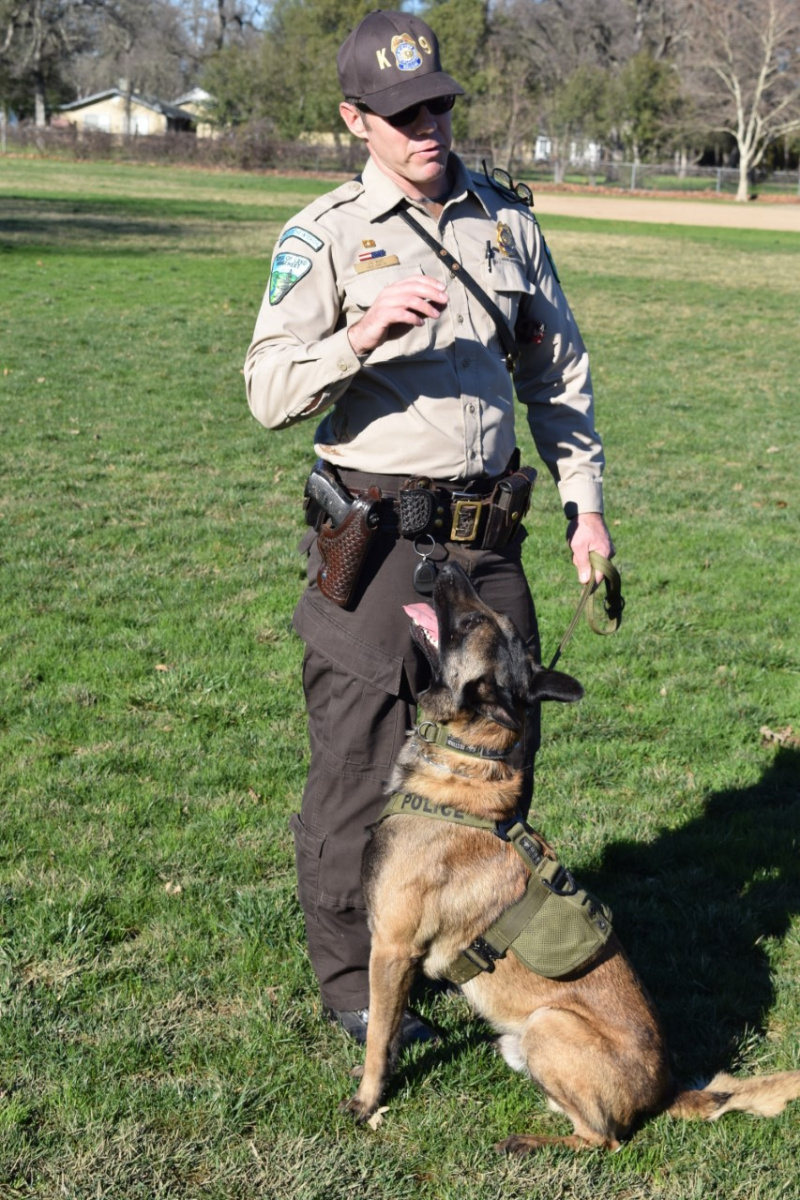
493,702
553,685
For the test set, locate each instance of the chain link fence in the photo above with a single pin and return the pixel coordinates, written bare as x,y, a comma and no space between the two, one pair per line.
256,147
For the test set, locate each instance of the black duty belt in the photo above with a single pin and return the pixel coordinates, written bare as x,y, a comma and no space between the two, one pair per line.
484,514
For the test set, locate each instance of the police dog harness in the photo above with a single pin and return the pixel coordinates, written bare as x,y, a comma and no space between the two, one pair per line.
553,929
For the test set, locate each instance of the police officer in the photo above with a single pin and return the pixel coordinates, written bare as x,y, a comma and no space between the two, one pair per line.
367,331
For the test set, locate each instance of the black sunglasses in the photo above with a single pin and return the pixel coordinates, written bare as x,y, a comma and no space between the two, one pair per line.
407,116
502,182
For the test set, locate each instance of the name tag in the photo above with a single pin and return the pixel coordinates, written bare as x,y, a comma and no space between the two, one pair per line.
388,260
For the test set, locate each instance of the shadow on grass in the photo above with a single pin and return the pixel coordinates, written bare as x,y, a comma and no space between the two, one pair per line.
697,907
696,910
80,225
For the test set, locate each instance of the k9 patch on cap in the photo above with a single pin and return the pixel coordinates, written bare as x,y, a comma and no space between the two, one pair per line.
405,52
287,270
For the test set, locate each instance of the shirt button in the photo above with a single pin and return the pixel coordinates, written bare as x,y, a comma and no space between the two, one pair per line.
344,365
465,362
471,408
473,453
460,319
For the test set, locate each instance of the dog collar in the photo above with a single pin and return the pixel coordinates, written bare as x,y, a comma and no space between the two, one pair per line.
438,735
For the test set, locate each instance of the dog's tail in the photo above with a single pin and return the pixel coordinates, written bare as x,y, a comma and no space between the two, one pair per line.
761,1095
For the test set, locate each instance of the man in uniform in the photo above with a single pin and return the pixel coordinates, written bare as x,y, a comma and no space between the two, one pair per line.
371,332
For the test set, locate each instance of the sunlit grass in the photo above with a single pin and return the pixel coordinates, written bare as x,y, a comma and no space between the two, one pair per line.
161,1031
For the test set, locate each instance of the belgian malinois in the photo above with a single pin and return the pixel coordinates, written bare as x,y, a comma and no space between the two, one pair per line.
592,1039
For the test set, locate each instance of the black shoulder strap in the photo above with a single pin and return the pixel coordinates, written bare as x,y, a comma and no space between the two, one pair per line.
507,340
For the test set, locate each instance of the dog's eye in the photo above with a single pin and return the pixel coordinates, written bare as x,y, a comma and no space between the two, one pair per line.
471,621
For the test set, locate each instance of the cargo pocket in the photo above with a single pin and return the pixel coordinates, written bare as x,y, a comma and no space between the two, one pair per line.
308,849
340,637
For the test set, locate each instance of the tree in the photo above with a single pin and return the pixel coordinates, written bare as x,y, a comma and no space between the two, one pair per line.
574,44
214,25
142,44
288,76
577,112
647,105
37,38
234,77
743,59
502,112
659,26
461,28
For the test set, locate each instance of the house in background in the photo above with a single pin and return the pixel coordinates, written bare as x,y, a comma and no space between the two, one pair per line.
119,112
197,103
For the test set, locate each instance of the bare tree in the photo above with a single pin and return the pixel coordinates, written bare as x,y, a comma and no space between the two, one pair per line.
214,25
502,112
573,42
37,37
659,26
143,43
743,58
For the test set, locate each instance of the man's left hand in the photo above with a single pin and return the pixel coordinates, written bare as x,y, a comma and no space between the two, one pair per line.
588,532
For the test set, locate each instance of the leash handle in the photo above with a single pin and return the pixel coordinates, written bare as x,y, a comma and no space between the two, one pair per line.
613,603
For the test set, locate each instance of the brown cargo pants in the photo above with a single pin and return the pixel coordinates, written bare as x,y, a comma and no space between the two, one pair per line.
361,677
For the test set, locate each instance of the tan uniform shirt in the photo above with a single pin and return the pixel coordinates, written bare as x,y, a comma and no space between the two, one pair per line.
439,400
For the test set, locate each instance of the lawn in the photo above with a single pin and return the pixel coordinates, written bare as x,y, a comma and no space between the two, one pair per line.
161,1032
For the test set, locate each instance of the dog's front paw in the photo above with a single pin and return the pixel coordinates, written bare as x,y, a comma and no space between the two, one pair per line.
359,1110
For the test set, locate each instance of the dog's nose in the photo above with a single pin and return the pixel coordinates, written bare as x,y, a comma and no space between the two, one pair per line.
451,573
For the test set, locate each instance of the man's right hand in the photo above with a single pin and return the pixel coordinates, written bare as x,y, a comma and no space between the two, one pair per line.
399,307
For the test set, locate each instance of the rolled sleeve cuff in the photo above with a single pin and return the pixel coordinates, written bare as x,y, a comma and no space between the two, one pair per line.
581,494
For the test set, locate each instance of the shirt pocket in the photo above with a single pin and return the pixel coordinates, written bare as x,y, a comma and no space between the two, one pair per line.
507,284
361,292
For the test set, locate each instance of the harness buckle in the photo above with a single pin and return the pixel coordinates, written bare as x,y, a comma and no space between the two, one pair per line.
482,955
466,518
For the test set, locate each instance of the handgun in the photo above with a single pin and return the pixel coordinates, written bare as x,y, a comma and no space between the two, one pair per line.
323,491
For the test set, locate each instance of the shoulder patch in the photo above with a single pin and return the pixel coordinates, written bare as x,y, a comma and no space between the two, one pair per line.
302,235
287,270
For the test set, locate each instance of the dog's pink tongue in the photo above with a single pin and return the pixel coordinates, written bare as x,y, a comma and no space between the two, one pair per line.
423,615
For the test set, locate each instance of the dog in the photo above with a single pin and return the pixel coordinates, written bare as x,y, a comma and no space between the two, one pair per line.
591,1038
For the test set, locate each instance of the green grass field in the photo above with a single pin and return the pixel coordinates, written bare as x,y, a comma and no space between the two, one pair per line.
160,1029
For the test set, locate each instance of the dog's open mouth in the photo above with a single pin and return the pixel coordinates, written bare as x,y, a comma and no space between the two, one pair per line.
424,630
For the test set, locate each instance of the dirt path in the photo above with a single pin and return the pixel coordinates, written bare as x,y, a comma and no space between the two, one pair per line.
755,215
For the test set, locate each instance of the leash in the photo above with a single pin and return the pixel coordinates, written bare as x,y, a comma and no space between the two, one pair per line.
613,603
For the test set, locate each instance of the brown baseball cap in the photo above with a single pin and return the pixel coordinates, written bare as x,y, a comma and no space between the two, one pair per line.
391,61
